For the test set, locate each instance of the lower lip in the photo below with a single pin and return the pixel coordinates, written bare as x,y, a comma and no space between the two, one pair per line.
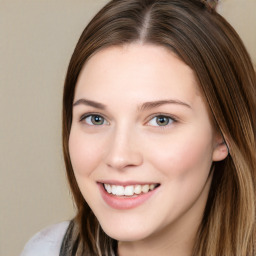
124,203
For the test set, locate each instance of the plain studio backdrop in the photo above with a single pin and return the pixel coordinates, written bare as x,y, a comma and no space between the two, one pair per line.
37,38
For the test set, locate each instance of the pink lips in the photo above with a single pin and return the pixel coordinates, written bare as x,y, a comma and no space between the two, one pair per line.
124,203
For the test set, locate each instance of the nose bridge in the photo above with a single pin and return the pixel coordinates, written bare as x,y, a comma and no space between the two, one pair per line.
123,148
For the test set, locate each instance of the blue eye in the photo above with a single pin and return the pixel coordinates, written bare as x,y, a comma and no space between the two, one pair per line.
94,120
161,120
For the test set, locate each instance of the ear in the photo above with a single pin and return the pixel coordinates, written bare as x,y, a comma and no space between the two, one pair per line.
221,149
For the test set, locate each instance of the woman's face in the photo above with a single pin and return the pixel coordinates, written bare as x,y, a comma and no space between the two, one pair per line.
141,142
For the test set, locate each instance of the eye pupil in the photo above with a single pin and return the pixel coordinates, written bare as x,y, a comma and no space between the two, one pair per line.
162,120
97,120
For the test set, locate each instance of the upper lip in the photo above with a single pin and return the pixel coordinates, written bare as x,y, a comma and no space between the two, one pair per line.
126,183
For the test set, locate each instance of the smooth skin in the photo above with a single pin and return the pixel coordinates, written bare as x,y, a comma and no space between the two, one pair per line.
139,116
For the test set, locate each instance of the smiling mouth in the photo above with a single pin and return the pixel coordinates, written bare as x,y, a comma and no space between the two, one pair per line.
130,190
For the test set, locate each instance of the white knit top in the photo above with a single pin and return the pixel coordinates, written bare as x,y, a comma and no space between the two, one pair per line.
46,242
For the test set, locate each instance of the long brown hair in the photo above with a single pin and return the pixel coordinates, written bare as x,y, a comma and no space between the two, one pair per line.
209,45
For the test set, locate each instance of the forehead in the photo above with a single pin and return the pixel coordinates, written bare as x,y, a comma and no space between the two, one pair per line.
135,71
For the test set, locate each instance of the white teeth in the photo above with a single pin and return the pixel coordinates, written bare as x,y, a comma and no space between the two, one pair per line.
151,187
113,189
109,189
120,190
129,190
137,189
145,188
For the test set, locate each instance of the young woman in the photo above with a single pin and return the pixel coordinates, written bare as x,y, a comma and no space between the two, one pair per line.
159,124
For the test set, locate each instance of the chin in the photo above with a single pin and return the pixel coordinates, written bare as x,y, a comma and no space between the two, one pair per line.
125,236
126,232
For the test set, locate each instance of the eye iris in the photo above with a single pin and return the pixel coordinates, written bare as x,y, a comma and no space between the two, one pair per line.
162,120
97,120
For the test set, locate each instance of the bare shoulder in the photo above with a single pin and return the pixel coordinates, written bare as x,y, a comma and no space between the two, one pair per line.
47,242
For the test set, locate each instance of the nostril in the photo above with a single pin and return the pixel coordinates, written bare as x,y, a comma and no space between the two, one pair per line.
122,162
122,152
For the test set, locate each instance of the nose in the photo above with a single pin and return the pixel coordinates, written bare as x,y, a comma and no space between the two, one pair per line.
123,150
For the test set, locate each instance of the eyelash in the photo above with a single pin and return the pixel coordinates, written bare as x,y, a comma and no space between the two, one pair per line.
83,117
171,119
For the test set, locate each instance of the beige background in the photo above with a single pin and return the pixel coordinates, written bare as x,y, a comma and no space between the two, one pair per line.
36,41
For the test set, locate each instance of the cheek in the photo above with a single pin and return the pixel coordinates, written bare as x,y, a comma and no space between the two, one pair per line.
183,153
85,153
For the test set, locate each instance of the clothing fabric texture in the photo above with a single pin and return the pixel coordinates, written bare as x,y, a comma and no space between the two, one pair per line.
46,242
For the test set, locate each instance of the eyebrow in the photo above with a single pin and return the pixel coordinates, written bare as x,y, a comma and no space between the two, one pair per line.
154,104
143,107
89,103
